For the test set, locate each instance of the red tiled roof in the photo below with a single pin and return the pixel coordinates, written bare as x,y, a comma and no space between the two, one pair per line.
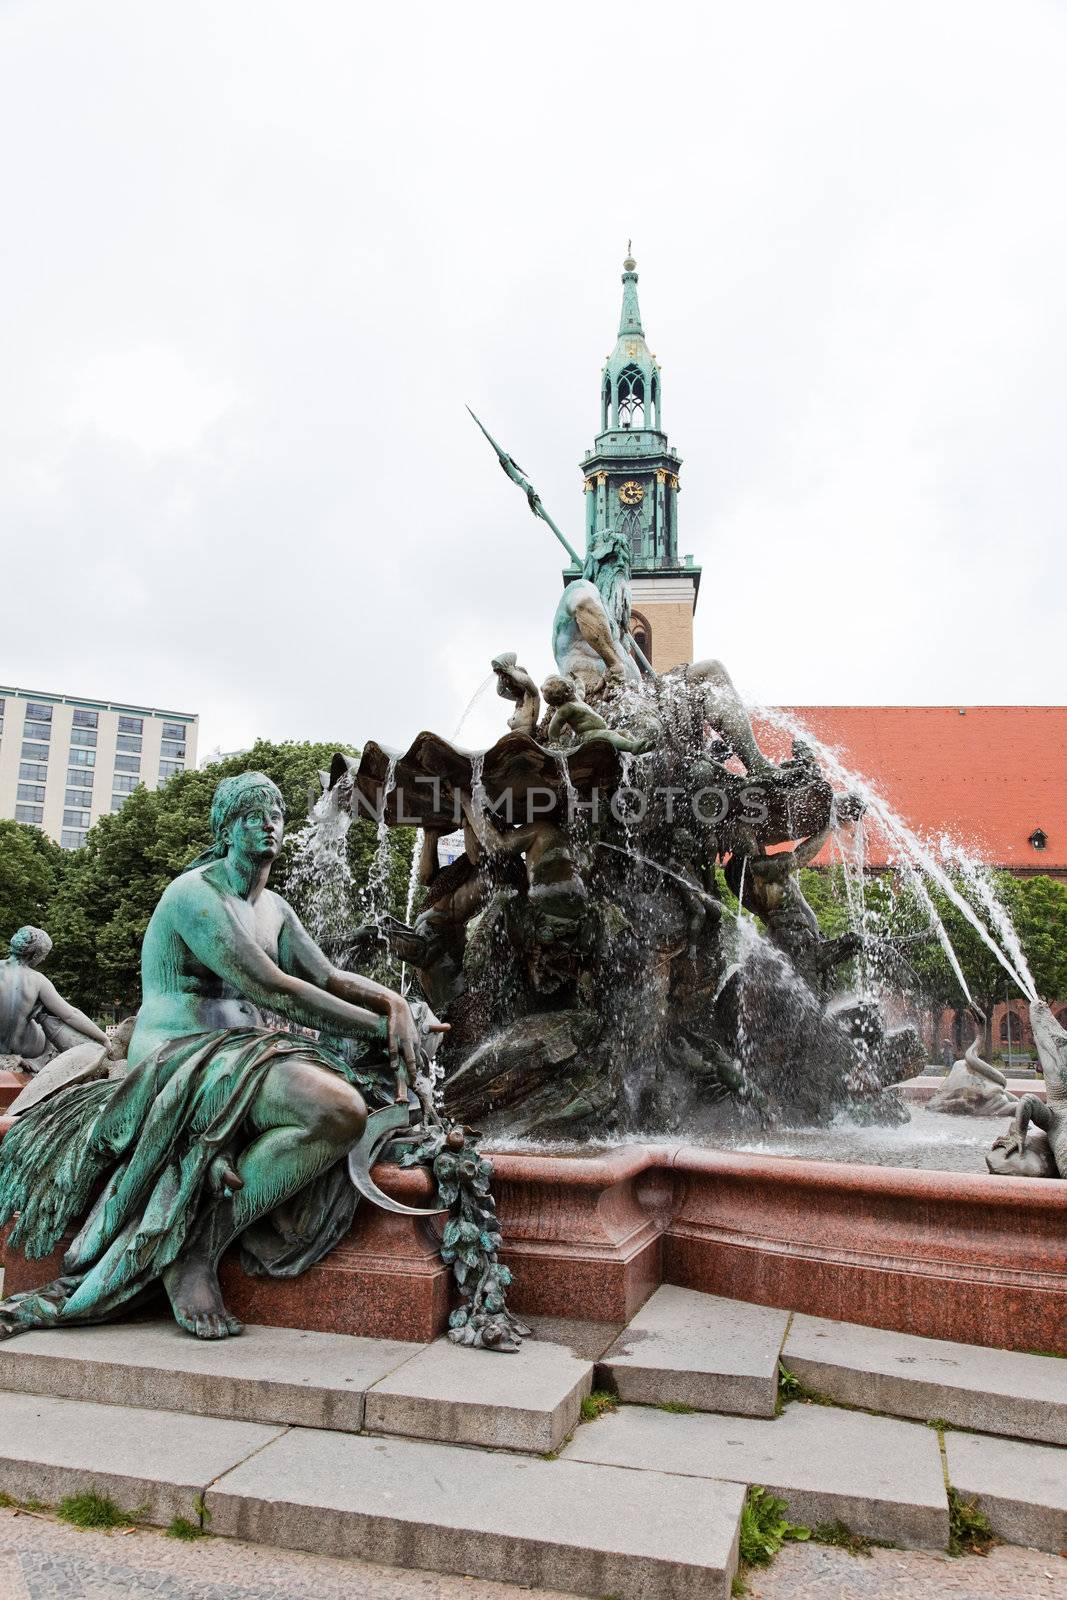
988,775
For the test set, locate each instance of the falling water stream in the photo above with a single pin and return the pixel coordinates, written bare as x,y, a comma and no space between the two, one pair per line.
916,858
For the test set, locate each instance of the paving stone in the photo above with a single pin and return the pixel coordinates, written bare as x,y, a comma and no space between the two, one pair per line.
526,1401
877,1475
555,1524
155,1462
969,1385
699,1350
272,1375
1022,1488
587,1339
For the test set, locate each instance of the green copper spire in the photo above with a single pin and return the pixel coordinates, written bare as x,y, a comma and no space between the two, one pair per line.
630,320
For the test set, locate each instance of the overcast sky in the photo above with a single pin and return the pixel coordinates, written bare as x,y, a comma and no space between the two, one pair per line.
256,258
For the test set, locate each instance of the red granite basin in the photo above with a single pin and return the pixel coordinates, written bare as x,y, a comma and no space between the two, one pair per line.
950,1255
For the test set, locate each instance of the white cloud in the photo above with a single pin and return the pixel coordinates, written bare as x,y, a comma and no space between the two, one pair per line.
257,258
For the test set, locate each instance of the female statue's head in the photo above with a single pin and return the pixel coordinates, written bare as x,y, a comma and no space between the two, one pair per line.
248,812
30,946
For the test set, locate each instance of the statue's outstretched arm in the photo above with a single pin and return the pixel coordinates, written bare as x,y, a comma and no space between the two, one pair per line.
301,957
54,1002
217,938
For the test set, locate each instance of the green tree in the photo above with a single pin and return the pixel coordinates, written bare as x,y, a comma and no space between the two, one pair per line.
112,884
31,869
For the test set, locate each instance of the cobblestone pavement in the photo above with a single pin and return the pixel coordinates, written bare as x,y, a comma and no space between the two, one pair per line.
813,1572
41,1559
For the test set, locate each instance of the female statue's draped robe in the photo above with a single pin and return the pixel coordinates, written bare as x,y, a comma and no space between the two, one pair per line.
149,1139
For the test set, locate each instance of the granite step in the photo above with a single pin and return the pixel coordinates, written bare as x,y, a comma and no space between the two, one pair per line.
528,1401
971,1386
879,1476
1022,1488
587,1529
700,1350
153,1464
280,1376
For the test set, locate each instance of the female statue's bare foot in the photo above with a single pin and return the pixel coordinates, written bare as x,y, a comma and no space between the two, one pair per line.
192,1287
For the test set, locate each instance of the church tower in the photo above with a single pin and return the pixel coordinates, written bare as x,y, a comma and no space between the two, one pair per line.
631,481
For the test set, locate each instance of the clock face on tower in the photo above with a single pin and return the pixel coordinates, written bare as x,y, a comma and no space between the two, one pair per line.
631,493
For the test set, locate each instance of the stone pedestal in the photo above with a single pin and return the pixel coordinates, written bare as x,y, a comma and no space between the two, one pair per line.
386,1280
584,1236
12,1084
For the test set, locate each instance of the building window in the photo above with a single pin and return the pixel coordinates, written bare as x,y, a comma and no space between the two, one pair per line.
171,751
168,769
34,814
78,797
35,752
641,629
1038,839
131,724
171,730
85,736
36,730
85,719
81,777
33,771
122,783
631,398
127,763
35,712
118,801
124,741
72,839
30,791
75,819
82,758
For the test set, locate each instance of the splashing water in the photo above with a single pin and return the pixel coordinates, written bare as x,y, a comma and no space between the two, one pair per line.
320,878
977,880
914,856
375,896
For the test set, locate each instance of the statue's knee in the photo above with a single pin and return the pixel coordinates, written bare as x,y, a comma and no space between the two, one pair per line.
339,1115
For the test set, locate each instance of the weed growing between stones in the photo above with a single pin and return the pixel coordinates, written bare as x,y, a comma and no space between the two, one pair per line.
182,1528
790,1388
969,1531
596,1404
677,1408
765,1528
6,1501
841,1536
92,1510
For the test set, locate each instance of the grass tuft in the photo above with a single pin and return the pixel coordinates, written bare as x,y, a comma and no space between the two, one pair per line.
92,1510
969,1531
6,1501
596,1404
182,1528
677,1408
841,1536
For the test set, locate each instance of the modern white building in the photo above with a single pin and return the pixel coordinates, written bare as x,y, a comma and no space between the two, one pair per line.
65,760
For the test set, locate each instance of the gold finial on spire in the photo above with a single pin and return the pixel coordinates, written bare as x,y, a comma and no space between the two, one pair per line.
629,264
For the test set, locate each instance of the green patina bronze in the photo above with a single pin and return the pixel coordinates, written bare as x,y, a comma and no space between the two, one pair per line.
223,1119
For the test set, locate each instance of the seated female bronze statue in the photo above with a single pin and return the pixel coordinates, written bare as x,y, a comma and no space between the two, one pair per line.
222,1120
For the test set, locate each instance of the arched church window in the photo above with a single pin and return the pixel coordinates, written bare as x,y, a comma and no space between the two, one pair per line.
605,407
1011,1030
641,629
654,418
631,398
